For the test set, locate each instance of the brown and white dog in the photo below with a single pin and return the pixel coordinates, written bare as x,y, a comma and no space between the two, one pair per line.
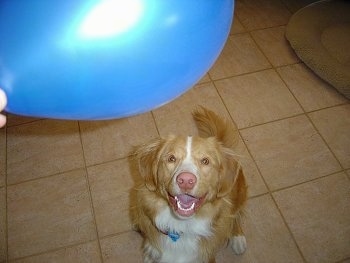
192,191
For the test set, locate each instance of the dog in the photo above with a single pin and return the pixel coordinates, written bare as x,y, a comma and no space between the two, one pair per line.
191,195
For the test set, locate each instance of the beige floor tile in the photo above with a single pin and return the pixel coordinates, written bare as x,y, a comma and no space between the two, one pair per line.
289,152
109,140
49,213
110,185
275,46
13,120
204,79
295,5
312,92
268,239
236,27
334,126
258,14
2,157
125,247
318,214
175,117
240,55
42,148
85,253
3,249
256,185
257,98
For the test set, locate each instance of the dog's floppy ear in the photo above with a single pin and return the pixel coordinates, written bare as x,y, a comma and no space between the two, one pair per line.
148,158
229,173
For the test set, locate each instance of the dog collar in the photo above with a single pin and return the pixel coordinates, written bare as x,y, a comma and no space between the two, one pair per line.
174,236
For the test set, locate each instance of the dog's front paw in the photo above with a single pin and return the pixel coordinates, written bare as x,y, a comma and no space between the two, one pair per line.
238,244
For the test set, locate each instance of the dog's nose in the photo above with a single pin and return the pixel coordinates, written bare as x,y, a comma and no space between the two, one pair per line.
186,181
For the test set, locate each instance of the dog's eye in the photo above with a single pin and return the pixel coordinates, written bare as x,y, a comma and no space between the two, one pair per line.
205,161
171,158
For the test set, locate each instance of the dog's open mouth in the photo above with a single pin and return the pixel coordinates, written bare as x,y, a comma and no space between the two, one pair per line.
185,205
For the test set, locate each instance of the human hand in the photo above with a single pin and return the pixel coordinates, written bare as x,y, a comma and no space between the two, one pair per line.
3,102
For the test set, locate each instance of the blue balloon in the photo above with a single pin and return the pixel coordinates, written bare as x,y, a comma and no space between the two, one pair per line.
104,59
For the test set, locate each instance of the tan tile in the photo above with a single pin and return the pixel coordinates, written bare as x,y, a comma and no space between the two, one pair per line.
125,247
289,152
295,5
256,185
110,185
334,126
258,14
42,148
312,92
13,120
2,157
257,98
318,214
49,213
109,140
88,252
176,118
275,46
268,239
240,55
3,249
204,79
236,27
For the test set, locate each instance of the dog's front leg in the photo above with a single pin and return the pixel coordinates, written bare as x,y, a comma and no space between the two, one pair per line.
238,242
150,253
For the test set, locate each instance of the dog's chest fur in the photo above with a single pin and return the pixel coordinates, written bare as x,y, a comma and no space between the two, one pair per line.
186,247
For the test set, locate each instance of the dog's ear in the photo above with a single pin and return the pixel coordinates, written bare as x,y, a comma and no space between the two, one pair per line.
229,173
148,159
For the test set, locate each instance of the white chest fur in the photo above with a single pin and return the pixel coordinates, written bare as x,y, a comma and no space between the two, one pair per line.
185,248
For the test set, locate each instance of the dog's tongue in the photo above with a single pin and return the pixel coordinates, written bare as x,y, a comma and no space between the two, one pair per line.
184,205
186,200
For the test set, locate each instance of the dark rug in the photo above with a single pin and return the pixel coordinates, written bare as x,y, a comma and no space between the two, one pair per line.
320,35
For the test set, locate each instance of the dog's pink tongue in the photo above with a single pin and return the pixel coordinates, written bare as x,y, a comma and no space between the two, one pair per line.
186,199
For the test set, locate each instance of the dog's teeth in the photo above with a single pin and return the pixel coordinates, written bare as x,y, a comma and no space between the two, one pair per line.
184,209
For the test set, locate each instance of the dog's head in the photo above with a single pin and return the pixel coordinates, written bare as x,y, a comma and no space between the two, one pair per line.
187,171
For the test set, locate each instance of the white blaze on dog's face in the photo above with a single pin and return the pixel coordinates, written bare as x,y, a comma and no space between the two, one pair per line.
188,172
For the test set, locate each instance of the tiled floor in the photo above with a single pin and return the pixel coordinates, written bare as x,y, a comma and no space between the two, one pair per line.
64,185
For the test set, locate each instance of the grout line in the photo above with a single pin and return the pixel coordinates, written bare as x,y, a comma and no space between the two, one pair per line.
23,123
325,142
290,90
306,182
92,210
68,171
155,123
53,250
269,192
44,177
241,74
6,207
118,234
272,121
288,228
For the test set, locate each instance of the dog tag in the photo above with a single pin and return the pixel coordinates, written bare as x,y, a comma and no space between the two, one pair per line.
174,236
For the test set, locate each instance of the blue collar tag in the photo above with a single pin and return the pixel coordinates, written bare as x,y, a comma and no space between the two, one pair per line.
174,236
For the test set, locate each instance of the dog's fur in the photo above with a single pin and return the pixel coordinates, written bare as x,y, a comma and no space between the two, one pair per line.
192,191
